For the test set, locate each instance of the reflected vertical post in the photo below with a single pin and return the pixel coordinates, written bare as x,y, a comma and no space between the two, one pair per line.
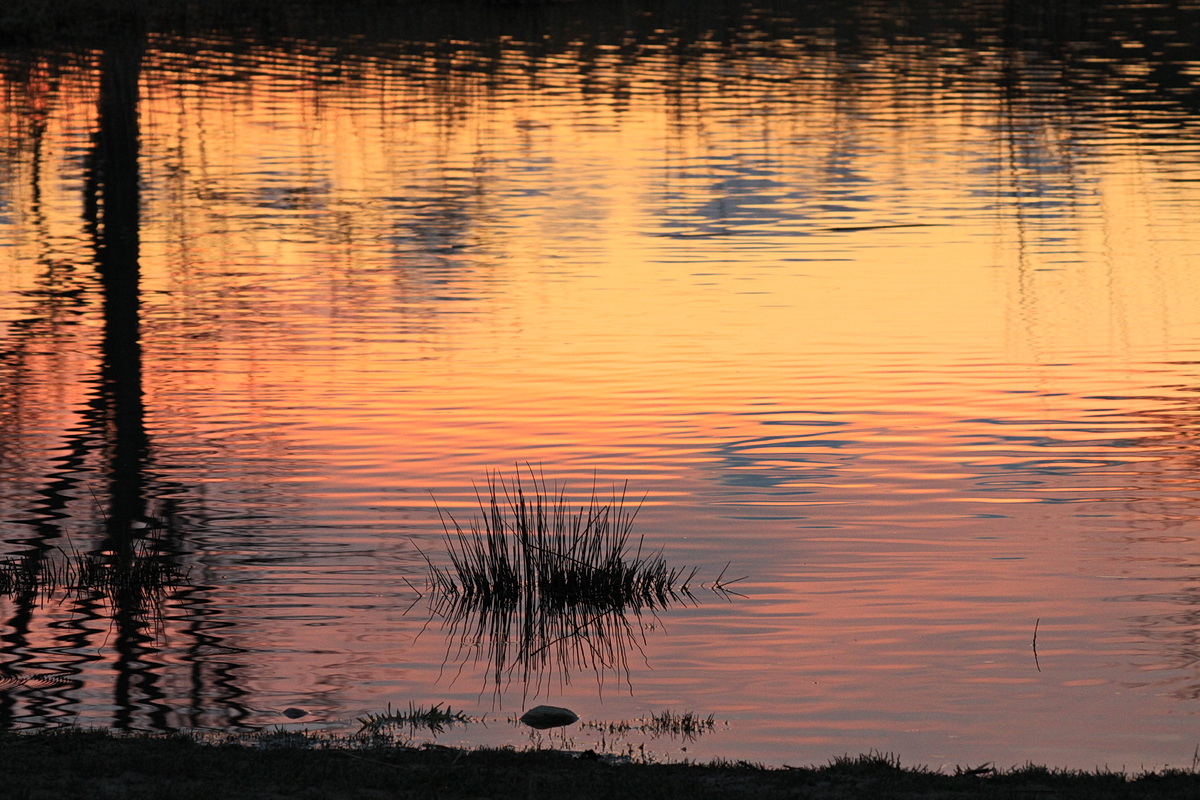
116,203
114,207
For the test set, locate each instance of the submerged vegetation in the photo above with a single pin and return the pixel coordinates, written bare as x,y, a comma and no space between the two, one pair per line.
687,726
539,585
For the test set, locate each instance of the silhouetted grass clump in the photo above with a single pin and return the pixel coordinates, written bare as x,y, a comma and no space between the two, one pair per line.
18,576
140,577
538,586
533,547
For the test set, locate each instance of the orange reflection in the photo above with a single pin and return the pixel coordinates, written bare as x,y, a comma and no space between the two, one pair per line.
900,351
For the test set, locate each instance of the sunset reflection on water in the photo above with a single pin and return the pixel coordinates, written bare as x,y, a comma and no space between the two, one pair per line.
908,336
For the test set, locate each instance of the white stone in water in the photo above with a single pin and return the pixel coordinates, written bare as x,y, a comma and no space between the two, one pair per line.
543,717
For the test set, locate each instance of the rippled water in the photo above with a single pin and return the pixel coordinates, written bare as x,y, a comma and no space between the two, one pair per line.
900,322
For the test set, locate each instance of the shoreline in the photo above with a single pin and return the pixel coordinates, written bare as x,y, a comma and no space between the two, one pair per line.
72,762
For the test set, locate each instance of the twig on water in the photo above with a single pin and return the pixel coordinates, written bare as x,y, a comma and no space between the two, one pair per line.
1035,655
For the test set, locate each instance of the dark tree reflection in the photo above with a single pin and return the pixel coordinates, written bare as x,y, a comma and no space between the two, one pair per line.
117,587
112,209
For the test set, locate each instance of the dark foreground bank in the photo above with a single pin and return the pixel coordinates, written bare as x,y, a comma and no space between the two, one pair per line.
88,764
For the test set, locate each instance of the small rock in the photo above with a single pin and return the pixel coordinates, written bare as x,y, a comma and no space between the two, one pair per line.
294,713
543,717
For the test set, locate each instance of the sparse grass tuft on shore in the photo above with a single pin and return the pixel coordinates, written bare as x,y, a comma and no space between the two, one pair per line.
434,719
686,726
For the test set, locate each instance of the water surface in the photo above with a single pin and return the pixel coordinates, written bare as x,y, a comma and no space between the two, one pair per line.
904,328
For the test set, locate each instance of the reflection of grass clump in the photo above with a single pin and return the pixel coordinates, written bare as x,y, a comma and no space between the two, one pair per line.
534,549
435,719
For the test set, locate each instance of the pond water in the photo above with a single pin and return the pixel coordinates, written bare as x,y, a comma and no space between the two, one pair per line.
899,321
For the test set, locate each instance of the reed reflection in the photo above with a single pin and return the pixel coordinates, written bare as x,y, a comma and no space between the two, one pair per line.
539,589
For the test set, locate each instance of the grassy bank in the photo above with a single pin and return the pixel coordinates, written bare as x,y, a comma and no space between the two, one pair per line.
79,764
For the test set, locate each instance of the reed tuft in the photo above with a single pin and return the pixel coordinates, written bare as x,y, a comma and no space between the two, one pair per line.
532,547
140,578
538,586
